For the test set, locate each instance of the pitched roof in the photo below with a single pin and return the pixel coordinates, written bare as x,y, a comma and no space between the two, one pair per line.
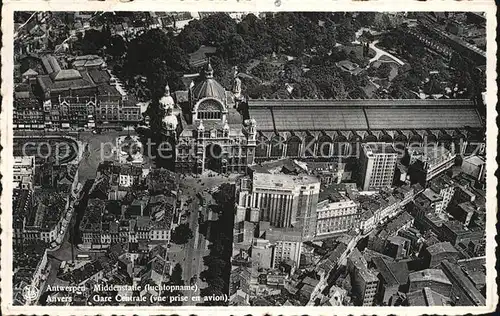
30,72
392,272
436,275
441,247
63,83
99,76
305,114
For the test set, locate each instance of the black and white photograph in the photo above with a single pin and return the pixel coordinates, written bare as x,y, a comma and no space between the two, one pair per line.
326,159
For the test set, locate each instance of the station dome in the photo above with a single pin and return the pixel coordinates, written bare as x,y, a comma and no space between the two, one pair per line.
209,87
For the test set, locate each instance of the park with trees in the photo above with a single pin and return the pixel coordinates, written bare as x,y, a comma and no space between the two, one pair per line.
287,55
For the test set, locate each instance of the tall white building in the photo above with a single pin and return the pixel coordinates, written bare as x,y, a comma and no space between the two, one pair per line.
282,200
377,165
287,245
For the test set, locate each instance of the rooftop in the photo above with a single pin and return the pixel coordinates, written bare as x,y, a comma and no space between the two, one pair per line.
430,154
392,272
99,76
436,275
287,166
379,148
284,234
455,226
475,160
282,181
358,259
458,278
395,224
431,195
441,247
328,115
66,81
467,207
88,61
426,297
440,182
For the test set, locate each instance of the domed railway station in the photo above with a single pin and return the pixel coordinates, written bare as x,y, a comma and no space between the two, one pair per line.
223,131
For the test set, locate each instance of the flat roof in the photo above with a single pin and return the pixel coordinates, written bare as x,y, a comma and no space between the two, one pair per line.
380,148
431,195
282,181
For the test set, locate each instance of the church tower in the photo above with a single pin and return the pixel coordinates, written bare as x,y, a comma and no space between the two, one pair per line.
251,140
236,90
169,120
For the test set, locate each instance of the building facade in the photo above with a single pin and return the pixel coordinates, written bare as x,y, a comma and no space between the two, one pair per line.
336,217
283,200
63,98
377,166
208,131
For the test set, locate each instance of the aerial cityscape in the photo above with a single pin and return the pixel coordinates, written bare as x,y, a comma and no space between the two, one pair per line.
249,159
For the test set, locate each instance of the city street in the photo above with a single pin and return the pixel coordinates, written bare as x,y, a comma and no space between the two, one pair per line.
190,256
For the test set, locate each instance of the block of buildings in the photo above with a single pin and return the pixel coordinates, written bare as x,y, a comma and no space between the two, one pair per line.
397,247
364,282
463,212
445,187
428,162
81,97
456,233
28,110
24,171
475,166
377,209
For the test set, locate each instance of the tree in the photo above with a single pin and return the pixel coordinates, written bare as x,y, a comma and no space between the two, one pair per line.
158,57
366,19
293,71
176,277
433,86
182,234
235,50
383,71
264,71
306,88
93,41
191,37
117,46
258,91
346,33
